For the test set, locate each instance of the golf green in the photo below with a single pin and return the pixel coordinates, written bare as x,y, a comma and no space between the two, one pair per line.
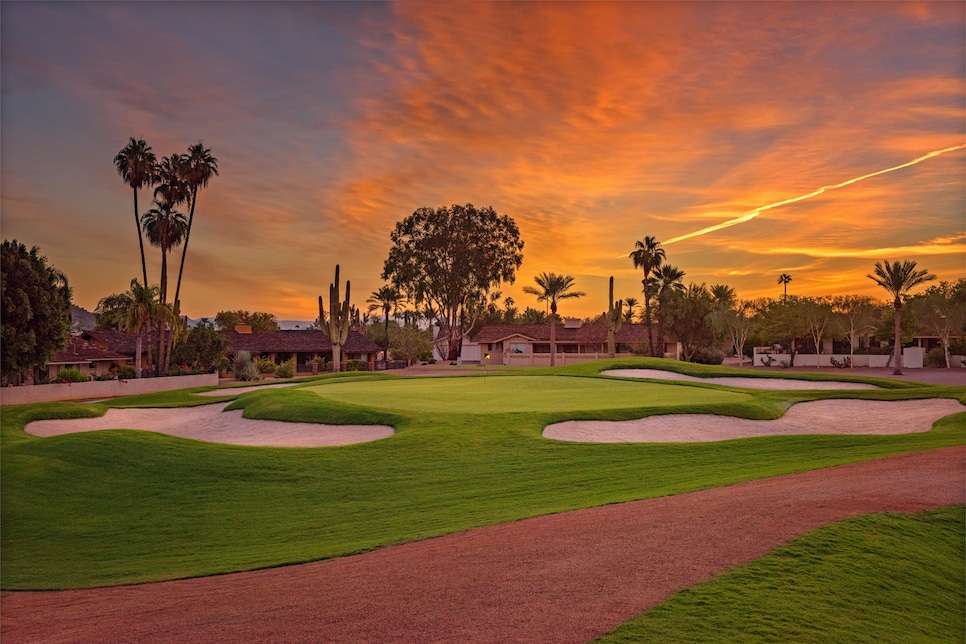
496,394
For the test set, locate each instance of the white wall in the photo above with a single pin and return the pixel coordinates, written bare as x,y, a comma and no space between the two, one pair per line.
101,389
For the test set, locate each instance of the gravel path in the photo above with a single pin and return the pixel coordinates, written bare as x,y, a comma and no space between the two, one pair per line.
212,424
562,578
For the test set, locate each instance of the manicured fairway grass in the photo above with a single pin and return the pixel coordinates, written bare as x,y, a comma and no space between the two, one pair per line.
877,578
465,395
113,507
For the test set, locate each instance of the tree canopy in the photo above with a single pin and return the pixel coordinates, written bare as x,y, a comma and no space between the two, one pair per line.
36,309
259,320
449,259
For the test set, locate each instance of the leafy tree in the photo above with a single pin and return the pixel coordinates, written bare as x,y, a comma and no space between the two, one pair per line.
858,314
36,309
737,322
409,342
687,314
783,322
648,256
820,320
202,349
784,279
448,258
198,168
259,320
137,165
553,287
899,279
941,311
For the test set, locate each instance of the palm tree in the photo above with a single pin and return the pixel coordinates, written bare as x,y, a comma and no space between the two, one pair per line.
135,311
784,279
199,167
667,279
631,304
553,287
648,255
136,164
723,295
898,279
388,299
165,228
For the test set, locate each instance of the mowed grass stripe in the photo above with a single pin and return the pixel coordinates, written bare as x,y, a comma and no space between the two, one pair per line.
877,578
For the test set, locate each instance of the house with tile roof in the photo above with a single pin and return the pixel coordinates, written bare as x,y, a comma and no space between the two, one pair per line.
90,358
304,345
529,344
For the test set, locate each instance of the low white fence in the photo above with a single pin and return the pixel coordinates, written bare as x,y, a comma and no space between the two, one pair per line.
912,358
102,389
562,359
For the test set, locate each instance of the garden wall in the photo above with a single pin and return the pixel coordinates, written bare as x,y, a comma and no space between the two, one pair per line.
101,389
912,358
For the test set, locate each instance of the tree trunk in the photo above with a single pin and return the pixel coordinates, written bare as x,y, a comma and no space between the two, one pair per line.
137,354
553,334
184,249
137,224
647,318
897,350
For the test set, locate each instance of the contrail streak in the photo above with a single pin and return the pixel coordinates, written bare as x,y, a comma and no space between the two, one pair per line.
751,214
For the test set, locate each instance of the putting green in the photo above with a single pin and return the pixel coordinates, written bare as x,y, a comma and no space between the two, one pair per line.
496,394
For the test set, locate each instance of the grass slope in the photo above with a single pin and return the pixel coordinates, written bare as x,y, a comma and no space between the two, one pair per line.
112,507
877,578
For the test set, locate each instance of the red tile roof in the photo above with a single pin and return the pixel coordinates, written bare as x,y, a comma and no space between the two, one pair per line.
80,350
296,341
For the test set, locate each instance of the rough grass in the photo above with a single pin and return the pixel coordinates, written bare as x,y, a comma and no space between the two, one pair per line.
112,507
877,578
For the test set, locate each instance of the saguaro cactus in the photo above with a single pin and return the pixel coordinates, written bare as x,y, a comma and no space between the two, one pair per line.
338,319
614,318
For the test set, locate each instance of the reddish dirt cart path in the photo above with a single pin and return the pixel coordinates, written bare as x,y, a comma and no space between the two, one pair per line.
562,578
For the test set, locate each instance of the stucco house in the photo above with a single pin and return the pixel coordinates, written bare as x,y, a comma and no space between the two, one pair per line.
303,345
529,344
88,357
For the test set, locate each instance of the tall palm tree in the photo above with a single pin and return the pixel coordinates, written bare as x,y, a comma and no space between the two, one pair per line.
165,228
198,168
137,165
135,312
553,287
898,279
784,279
387,299
631,310
667,279
648,256
723,296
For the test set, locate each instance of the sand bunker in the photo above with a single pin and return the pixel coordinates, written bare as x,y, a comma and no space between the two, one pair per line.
212,424
817,417
783,384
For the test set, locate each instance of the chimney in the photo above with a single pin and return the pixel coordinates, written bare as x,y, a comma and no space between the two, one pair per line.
243,328
572,323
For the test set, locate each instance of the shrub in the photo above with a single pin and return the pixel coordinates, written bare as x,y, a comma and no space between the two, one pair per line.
70,374
936,357
286,369
356,365
265,365
243,367
124,371
708,355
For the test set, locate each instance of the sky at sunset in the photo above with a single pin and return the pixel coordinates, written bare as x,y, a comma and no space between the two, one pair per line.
732,132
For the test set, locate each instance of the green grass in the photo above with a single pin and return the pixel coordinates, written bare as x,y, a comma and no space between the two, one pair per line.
112,507
877,578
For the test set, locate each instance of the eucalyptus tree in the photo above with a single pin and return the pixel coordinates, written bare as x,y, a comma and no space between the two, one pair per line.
898,279
648,255
737,322
784,279
941,311
820,319
137,165
858,314
553,287
197,169
450,259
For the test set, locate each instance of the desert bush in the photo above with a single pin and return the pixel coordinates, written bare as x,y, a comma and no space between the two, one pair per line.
265,364
936,357
286,369
708,355
70,374
123,371
243,367
356,365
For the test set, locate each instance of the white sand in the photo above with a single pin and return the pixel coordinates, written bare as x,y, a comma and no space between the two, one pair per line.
816,417
748,383
212,424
